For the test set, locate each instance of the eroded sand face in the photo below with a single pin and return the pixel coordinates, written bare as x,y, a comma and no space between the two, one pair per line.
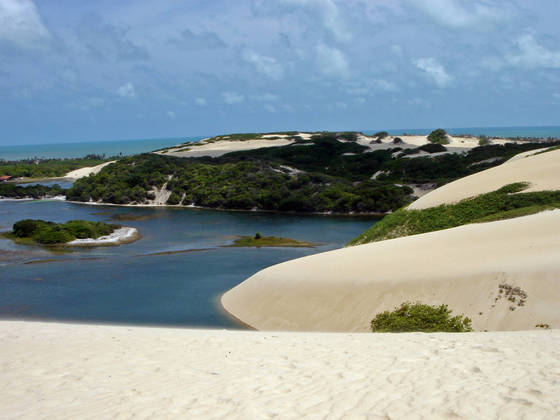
65,371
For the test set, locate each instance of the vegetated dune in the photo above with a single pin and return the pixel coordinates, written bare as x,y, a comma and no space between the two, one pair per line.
541,170
80,173
66,371
463,267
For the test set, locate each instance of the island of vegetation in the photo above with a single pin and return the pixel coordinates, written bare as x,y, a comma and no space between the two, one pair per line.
269,241
73,233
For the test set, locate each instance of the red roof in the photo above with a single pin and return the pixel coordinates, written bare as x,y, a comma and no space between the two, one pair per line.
5,177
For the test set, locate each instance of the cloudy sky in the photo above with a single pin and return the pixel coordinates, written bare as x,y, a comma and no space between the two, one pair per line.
104,69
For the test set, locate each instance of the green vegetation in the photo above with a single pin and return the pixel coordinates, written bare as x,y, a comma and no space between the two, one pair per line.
32,191
236,184
269,241
417,316
381,135
31,231
48,168
504,203
438,136
446,168
483,141
323,174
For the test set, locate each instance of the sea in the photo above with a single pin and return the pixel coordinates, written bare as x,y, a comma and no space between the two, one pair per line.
131,147
80,149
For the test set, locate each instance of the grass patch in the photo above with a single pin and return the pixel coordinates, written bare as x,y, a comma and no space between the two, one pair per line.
417,316
269,241
505,203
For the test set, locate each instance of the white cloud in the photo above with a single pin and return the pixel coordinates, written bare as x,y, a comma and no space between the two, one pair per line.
329,14
462,13
200,101
171,114
127,91
266,97
533,55
232,98
332,61
434,71
265,65
270,108
21,24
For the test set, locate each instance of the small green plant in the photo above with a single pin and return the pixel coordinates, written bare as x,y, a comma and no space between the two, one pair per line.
381,134
438,136
258,235
543,326
417,316
483,141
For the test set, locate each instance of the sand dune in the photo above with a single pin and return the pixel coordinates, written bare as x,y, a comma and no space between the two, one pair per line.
541,170
80,173
64,371
463,267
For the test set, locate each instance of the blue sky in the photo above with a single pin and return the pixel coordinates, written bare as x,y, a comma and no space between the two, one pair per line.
98,70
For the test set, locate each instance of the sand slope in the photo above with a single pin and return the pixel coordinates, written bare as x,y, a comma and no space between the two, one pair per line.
463,267
64,371
87,171
541,170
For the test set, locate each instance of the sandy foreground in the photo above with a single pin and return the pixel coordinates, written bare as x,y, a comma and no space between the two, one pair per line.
463,267
542,171
68,371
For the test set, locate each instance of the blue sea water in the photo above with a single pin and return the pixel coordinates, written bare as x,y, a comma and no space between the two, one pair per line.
128,284
73,150
130,147
536,131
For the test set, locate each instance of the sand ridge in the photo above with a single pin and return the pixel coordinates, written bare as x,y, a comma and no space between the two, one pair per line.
68,371
463,267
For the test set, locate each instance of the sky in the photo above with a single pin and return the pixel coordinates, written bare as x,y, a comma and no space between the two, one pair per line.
103,69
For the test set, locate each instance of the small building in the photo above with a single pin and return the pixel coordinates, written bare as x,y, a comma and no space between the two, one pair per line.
4,178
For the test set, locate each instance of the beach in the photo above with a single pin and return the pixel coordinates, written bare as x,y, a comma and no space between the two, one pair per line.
64,371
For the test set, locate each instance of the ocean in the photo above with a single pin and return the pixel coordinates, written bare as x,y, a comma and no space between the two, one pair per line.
74,150
131,147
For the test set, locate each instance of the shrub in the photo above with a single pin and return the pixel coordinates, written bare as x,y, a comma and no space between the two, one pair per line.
420,317
397,140
483,141
381,134
438,136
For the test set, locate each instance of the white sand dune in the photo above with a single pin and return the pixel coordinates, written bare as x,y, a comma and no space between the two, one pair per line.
221,147
463,267
542,171
89,170
65,371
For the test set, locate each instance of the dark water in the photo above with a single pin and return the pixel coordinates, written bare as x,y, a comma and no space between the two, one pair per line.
126,284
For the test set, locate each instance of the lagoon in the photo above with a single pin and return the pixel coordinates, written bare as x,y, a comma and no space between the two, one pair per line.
174,275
